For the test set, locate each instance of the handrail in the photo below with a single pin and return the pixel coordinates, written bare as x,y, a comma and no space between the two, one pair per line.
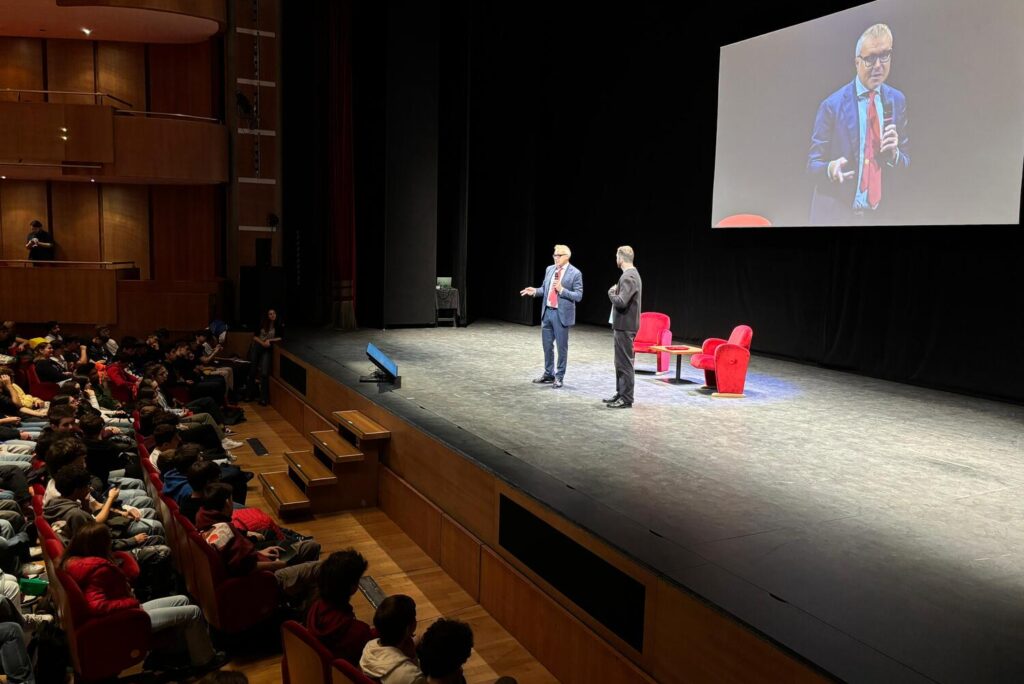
132,112
66,92
103,265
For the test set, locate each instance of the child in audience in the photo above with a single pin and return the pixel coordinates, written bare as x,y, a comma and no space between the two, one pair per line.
391,658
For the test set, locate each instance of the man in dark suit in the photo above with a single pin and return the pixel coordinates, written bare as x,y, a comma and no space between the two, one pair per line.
859,140
562,289
625,298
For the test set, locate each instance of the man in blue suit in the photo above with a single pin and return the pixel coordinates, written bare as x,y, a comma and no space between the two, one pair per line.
562,288
859,139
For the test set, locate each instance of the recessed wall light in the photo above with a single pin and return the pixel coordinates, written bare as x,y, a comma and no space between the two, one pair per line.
86,31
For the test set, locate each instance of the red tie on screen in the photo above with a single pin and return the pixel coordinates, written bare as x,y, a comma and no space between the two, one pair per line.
553,293
871,178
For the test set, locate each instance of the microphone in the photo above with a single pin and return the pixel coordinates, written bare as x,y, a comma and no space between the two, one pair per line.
886,114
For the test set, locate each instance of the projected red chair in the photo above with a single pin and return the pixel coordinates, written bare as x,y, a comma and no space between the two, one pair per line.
725,362
654,331
744,221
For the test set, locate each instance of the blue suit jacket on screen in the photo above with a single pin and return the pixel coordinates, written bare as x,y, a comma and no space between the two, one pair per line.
837,134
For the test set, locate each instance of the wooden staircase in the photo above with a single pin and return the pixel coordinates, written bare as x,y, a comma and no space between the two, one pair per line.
339,473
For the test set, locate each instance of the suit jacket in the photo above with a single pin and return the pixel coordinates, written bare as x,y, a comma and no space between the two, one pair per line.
837,134
626,301
572,292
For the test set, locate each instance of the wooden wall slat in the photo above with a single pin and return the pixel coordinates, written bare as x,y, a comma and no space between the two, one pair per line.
76,221
20,203
460,556
125,213
121,71
21,66
70,66
417,517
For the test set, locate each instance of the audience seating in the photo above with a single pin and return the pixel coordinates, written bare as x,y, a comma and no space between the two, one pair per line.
725,362
655,329
39,389
304,659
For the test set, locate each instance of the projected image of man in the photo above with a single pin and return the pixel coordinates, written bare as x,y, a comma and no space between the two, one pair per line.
859,139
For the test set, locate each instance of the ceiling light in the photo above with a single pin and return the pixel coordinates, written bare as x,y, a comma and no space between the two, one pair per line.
86,31
92,180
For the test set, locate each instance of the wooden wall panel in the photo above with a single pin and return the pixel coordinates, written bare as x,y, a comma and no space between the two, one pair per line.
125,225
417,517
287,404
576,656
121,71
460,556
313,421
187,232
20,203
21,66
36,295
184,79
694,642
145,305
70,66
170,149
76,221
31,132
244,16
90,133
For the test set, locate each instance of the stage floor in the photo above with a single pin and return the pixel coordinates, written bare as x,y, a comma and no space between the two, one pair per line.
875,528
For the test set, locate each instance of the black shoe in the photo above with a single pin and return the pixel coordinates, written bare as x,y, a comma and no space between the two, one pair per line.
544,380
612,399
556,384
619,403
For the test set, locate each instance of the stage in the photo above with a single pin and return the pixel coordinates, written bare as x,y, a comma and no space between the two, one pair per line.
873,528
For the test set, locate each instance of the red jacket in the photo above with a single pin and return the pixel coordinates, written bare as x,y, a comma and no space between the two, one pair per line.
120,377
106,586
338,630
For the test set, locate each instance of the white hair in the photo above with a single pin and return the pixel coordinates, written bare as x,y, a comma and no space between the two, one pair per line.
876,31
564,248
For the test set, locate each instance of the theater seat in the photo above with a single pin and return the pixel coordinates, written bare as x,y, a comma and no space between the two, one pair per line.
39,389
725,362
655,329
304,659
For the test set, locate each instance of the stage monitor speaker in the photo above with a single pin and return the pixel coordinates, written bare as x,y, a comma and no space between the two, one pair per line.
261,288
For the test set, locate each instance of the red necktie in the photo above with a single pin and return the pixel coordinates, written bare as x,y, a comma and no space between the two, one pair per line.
871,178
553,293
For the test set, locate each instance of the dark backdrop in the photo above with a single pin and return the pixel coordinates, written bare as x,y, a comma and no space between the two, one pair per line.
596,128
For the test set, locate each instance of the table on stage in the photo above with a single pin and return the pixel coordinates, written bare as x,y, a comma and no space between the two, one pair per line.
678,351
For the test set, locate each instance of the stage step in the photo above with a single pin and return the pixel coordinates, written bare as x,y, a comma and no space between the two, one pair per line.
335,447
309,468
283,494
361,426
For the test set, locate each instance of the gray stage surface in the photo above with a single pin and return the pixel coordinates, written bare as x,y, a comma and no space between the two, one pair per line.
872,527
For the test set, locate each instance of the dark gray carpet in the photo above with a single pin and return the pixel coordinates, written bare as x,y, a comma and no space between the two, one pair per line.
890,514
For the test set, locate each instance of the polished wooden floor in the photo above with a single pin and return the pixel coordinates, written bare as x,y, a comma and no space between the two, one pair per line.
396,564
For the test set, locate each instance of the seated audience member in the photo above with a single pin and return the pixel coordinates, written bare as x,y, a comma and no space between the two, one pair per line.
207,354
175,478
89,560
19,396
165,436
391,658
14,658
444,649
200,475
296,577
70,450
331,618
105,459
47,368
74,506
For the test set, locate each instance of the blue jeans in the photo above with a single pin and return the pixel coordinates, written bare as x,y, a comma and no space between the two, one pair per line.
14,655
175,613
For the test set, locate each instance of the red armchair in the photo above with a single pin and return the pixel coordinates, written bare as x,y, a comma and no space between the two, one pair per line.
725,362
97,655
39,389
654,330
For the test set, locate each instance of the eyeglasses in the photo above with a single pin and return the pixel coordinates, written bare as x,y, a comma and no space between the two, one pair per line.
872,60
559,255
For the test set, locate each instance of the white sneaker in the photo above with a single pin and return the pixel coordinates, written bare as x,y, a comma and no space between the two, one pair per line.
31,570
229,444
36,552
36,619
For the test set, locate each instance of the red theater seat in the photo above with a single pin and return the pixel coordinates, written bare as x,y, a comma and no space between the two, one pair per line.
305,659
725,362
39,389
655,329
